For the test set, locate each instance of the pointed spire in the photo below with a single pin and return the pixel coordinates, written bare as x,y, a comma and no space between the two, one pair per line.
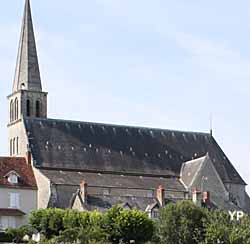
27,74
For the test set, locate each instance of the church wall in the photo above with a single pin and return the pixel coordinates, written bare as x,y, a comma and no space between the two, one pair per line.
209,180
150,193
44,190
237,193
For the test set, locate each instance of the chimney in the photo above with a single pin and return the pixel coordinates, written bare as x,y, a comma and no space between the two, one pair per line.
160,195
196,196
206,197
84,190
28,157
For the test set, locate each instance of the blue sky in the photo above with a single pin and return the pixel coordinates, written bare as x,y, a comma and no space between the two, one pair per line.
160,63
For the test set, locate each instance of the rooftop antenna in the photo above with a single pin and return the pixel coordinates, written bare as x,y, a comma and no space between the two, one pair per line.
211,124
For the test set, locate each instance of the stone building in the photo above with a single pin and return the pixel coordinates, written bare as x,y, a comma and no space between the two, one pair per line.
118,164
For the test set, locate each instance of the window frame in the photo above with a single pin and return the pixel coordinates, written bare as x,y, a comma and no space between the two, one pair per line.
14,200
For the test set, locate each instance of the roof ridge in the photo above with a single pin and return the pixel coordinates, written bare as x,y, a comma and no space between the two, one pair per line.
119,125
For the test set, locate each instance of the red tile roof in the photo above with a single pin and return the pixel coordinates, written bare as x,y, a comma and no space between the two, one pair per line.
20,166
11,212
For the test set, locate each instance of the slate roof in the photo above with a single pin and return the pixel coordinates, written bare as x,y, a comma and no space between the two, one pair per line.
66,196
114,148
190,169
67,184
73,178
20,166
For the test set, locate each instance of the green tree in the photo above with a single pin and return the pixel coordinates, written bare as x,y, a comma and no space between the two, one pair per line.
128,225
82,227
76,219
47,221
240,232
218,227
181,223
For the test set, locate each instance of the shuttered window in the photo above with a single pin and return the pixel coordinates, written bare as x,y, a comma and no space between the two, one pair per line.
14,200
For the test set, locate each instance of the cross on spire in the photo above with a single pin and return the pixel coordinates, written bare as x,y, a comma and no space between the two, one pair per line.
27,74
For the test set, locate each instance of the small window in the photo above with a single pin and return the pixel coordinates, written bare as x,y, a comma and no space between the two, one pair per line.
14,200
28,108
14,146
13,178
17,146
11,110
106,191
16,109
38,109
7,222
22,86
155,214
10,147
150,194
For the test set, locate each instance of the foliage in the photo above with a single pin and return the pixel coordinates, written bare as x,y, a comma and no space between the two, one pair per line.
17,234
182,223
75,219
241,232
47,221
4,237
69,226
218,227
128,225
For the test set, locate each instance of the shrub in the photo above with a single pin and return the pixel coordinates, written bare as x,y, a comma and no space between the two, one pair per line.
218,227
4,237
17,234
182,223
75,219
128,225
47,221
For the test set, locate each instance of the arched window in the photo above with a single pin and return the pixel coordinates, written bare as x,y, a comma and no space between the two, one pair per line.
38,109
17,146
16,109
11,110
10,147
14,146
28,108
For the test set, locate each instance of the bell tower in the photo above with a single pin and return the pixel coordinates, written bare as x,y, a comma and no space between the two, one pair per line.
27,99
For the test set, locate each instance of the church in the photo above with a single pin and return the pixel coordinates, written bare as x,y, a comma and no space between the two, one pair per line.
93,166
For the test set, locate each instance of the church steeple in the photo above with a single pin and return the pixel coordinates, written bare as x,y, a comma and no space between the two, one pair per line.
27,74
27,100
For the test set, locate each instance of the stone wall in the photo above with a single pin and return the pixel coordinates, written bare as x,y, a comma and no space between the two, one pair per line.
44,191
237,194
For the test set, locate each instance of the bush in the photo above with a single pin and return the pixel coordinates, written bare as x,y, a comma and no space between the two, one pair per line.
17,234
240,232
218,227
4,237
128,225
75,219
182,223
69,226
47,221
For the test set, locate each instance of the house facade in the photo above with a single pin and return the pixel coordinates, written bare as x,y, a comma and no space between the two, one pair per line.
119,164
18,192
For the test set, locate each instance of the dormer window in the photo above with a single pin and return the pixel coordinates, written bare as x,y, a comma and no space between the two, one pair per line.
12,177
